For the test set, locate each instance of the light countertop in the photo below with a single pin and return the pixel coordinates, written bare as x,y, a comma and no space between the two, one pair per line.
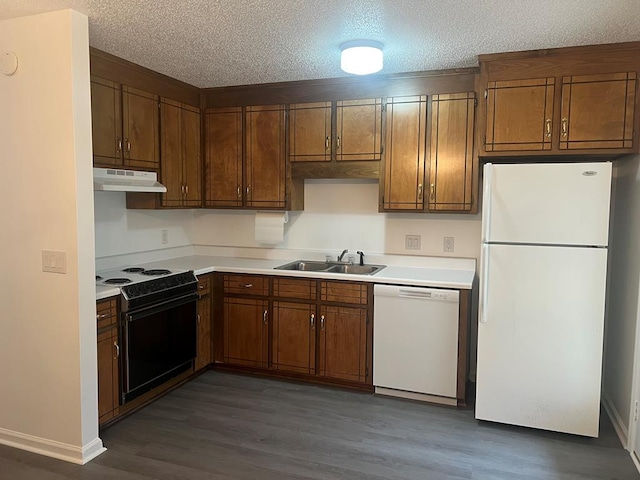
393,274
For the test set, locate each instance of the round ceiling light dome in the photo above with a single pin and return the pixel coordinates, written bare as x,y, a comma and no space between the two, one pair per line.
361,57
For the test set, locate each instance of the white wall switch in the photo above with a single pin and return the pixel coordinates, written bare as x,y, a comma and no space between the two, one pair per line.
412,242
447,244
164,236
54,262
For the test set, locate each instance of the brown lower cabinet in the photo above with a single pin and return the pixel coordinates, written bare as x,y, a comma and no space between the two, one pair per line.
316,329
204,352
108,360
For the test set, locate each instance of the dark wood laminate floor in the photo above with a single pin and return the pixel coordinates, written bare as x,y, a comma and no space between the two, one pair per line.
223,426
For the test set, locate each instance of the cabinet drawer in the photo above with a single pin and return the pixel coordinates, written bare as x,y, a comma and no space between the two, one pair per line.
106,313
246,285
295,288
204,285
344,292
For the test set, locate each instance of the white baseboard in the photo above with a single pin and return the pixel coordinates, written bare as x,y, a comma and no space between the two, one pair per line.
52,448
616,420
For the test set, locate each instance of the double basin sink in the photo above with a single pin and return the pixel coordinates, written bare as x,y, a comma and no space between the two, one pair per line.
331,267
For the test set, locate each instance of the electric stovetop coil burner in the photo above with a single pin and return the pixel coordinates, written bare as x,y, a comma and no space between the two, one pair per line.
117,281
155,272
133,269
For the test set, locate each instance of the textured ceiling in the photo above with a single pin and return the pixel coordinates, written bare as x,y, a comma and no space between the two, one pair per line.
210,43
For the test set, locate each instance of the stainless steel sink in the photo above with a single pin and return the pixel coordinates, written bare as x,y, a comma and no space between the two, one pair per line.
332,267
309,266
356,269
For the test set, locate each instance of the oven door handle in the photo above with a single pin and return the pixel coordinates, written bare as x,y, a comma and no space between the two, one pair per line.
159,307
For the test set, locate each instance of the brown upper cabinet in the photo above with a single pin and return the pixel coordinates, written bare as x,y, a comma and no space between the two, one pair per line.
125,126
345,130
571,101
452,176
402,172
180,161
438,153
245,160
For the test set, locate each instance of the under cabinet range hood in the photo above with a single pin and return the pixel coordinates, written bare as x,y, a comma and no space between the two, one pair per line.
115,180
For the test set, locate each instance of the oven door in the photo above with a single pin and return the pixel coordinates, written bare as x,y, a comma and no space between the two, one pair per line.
159,343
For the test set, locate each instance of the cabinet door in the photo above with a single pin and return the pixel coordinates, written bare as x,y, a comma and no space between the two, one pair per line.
108,378
246,332
359,129
171,158
191,159
223,157
265,157
404,156
519,115
294,337
204,352
106,123
598,111
310,132
140,127
343,343
451,152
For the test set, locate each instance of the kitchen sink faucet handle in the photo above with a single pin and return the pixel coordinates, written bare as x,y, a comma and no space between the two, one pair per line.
361,257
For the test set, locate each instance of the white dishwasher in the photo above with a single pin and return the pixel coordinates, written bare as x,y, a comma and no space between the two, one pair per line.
415,343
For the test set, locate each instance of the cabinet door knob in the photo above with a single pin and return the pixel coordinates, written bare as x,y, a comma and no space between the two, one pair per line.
326,143
239,192
128,143
564,127
420,191
321,322
432,195
338,143
313,320
118,145
264,317
547,126
186,189
115,344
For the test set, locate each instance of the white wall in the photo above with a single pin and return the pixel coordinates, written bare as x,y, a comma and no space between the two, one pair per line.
120,231
48,400
623,292
341,214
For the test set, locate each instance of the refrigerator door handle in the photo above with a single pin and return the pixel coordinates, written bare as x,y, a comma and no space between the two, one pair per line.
484,290
486,201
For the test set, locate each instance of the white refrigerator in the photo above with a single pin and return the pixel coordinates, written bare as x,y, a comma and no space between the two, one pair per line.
542,295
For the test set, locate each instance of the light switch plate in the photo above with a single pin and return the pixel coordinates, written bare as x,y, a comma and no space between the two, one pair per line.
412,242
54,261
164,236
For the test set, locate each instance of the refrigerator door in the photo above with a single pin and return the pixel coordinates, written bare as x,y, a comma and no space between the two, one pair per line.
540,337
553,204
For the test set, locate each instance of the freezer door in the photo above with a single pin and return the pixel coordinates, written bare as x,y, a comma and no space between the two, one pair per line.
554,204
540,337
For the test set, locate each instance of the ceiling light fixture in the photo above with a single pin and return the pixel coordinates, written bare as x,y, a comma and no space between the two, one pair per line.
361,57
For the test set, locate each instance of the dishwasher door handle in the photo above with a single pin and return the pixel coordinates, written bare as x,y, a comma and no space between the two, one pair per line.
415,293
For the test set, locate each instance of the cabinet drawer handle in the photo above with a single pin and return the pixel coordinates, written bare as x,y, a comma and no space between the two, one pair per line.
338,143
115,344
321,322
186,189
432,195
128,143
313,320
264,317
248,285
239,192
420,189
248,191
118,145
198,317
326,143
102,316
564,127
547,126
201,287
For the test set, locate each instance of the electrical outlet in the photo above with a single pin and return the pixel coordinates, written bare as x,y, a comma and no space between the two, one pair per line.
164,236
412,242
447,244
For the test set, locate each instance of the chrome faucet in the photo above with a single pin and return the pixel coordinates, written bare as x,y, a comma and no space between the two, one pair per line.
344,252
